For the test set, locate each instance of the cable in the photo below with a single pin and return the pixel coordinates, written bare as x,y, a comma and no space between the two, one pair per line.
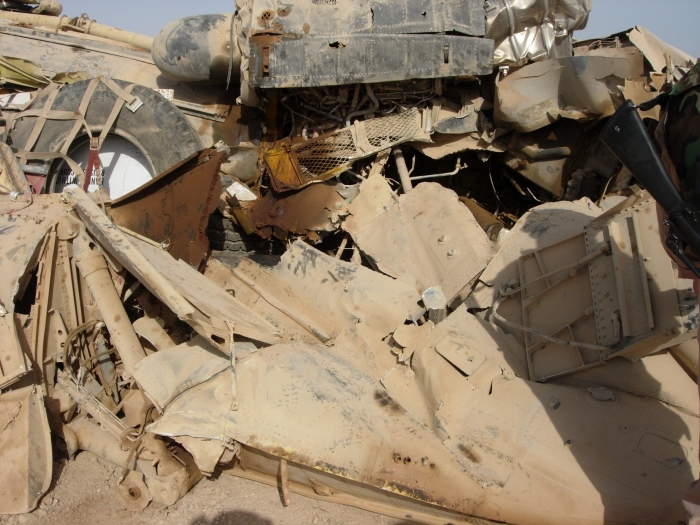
548,337
573,267
71,336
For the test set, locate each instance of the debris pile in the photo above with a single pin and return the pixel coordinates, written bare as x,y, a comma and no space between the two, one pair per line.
494,334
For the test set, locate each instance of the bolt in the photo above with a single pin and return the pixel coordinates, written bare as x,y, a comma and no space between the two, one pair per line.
452,253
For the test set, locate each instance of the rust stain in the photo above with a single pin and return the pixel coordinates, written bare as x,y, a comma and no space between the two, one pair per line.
174,207
298,212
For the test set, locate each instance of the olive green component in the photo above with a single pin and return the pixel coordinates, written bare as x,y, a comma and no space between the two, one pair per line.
683,138
691,80
22,73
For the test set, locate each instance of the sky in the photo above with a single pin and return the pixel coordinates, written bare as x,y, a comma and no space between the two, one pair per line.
675,21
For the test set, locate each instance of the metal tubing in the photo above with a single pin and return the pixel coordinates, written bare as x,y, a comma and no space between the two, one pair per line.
457,169
93,267
403,170
82,25
119,35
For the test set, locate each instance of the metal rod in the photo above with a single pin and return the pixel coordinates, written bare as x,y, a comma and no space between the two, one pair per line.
457,169
93,267
83,25
403,170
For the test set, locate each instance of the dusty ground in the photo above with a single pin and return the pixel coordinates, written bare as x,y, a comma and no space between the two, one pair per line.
83,493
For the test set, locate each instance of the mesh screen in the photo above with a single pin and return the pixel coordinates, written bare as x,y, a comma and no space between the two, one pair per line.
389,131
321,155
324,154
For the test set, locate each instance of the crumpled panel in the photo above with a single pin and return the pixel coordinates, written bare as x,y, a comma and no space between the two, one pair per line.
532,30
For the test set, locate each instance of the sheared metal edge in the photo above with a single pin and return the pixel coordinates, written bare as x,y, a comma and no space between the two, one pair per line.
575,87
22,235
428,238
533,29
207,298
117,244
308,284
174,207
25,479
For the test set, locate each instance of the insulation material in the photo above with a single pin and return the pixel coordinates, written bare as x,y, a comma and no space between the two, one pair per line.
526,30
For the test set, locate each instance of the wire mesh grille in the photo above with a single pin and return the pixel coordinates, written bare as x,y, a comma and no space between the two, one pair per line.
324,154
385,132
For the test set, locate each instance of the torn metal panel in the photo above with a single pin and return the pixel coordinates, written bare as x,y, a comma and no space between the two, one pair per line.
279,62
654,49
640,91
187,293
408,338
603,448
428,238
510,438
24,227
342,17
475,334
307,285
655,377
317,208
207,453
375,197
444,145
550,437
295,165
622,295
455,119
167,373
13,359
213,307
579,88
542,226
285,390
526,30
173,209
22,73
25,450
611,47
221,273
116,243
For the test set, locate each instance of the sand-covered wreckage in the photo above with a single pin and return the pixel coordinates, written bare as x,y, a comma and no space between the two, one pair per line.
369,252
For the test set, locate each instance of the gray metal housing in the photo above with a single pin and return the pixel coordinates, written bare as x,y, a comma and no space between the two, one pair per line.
302,43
